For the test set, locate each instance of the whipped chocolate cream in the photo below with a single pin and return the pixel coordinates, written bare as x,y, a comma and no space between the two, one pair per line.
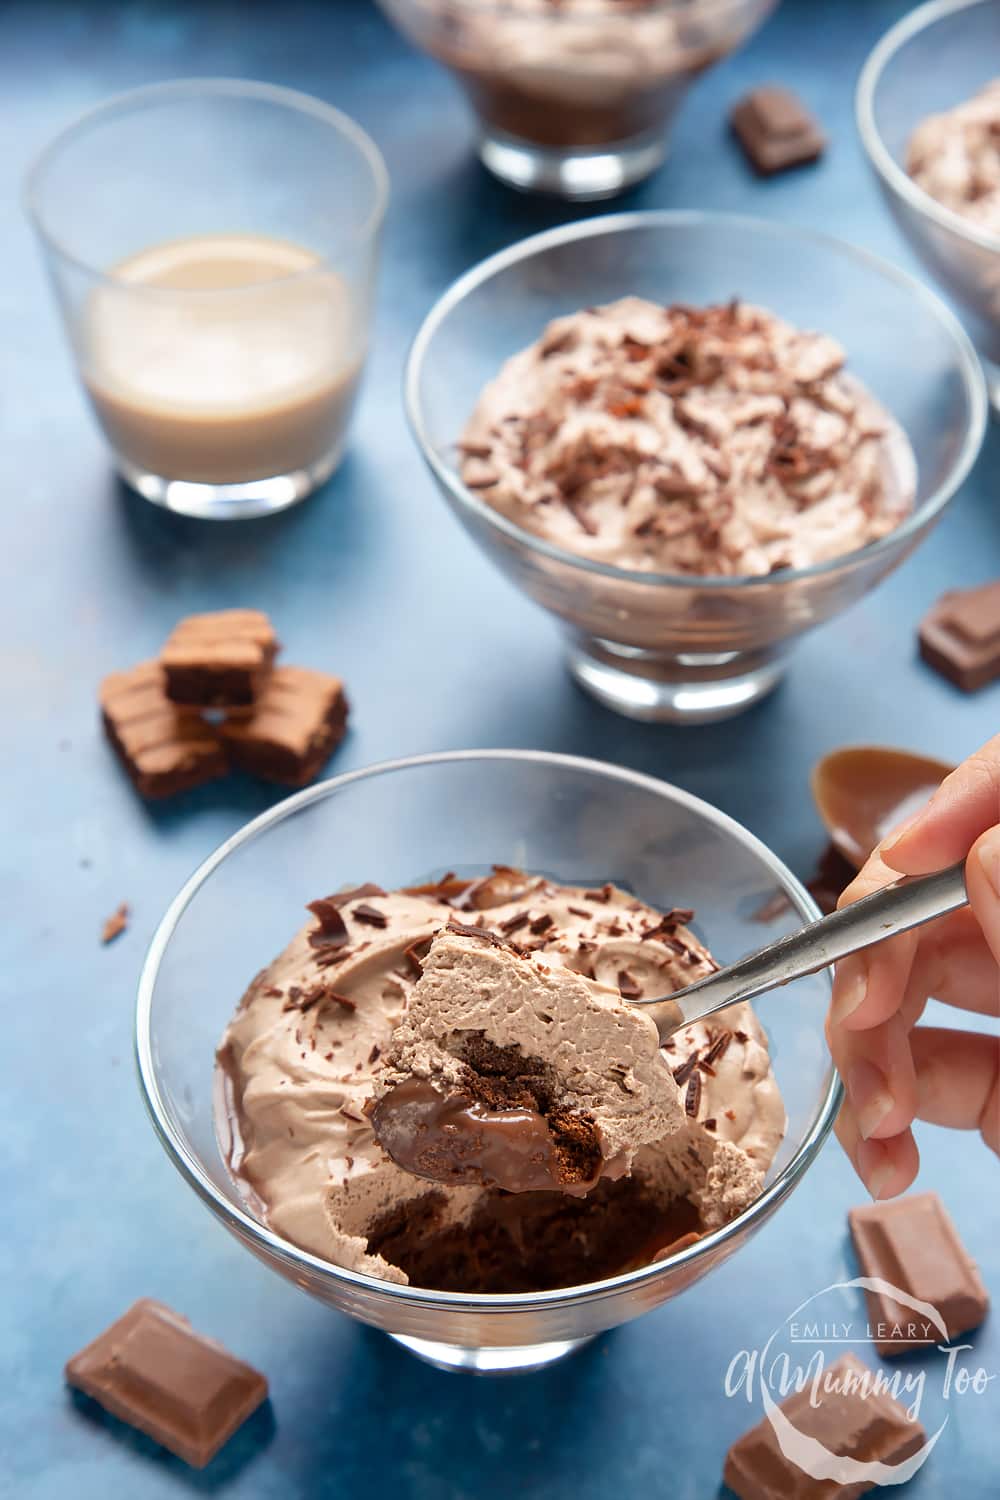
512,1072
955,157
714,441
300,1059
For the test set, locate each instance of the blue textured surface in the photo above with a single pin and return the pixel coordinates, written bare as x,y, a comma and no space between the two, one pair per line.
373,579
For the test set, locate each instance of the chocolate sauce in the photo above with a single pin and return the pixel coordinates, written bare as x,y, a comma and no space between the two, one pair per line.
453,1139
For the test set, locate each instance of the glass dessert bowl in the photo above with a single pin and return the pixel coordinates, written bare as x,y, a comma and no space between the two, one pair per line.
573,820
690,647
576,99
937,57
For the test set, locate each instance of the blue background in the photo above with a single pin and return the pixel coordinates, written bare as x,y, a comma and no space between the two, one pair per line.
374,580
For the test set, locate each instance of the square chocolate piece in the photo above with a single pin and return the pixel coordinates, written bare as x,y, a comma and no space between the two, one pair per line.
960,636
163,749
152,1370
776,130
220,660
912,1244
852,1422
288,737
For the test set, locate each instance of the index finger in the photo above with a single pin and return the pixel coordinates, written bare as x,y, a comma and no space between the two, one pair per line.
964,806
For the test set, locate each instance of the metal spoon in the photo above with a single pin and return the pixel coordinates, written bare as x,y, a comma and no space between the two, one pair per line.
908,902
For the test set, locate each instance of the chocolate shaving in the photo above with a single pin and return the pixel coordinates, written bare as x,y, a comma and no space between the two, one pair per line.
375,1053
579,911
332,930
706,1067
541,924
692,1099
730,1114
686,1069
370,915
515,923
273,992
415,955
115,924
741,1036
629,986
486,935
678,916
711,1123
719,1046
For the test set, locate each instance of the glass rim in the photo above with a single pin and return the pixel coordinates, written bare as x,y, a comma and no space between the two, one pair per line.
154,94
901,183
593,8
248,1228
967,363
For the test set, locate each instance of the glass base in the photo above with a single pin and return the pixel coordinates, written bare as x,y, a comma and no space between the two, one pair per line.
516,1360
580,176
230,502
690,689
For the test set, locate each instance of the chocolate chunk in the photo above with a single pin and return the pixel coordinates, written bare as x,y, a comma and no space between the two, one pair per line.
776,130
416,953
220,660
370,915
163,748
960,636
185,1391
912,1244
115,924
297,721
852,1419
678,916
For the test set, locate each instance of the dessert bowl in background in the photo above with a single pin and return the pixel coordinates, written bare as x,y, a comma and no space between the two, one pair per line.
937,57
576,99
574,820
679,647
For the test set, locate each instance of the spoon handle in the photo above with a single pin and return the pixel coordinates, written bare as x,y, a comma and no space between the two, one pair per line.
906,903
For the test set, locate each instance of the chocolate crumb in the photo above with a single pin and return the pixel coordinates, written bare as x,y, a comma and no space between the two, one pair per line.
375,1053
730,1114
741,1036
711,1123
115,924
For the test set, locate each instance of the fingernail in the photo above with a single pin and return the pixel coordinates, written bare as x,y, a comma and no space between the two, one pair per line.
876,1172
906,827
988,853
849,989
868,1091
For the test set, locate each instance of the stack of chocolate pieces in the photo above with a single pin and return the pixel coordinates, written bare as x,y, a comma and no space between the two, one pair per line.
214,700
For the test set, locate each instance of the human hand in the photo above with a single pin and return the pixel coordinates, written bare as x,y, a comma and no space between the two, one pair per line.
895,1071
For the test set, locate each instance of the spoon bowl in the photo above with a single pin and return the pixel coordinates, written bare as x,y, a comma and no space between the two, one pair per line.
863,791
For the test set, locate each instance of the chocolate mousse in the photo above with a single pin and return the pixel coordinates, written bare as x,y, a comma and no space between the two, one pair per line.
716,441
573,74
955,157
499,1072
341,1017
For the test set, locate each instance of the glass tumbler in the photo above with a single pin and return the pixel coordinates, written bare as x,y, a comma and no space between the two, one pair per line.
212,245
